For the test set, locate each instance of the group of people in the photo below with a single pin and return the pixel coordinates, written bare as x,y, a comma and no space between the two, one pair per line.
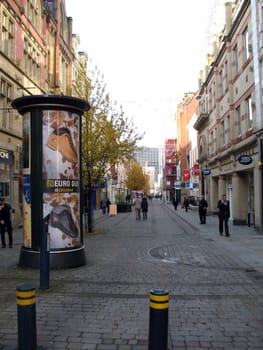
141,205
223,212
6,223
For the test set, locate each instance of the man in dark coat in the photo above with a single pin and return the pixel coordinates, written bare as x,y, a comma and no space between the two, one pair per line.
223,215
6,223
144,206
203,205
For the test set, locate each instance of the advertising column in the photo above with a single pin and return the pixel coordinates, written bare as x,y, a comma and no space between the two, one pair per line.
52,178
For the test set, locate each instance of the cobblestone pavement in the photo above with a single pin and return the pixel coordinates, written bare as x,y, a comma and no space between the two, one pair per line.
214,283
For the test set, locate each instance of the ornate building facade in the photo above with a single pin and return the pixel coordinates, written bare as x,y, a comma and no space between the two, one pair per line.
227,124
38,56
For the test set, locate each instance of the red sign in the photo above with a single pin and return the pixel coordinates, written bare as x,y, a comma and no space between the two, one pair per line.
196,169
186,174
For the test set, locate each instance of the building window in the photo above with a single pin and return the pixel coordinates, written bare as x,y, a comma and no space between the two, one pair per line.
210,101
227,130
238,121
225,78
235,60
223,132
245,44
249,112
33,12
31,59
5,104
211,142
220,84
7,38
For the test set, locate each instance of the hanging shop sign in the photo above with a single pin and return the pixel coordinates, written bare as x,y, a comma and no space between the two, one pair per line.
245,160
196,169
206,171
186,174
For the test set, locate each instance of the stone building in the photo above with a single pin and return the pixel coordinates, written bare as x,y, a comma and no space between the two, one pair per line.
226,122
38,56
188,174
169,168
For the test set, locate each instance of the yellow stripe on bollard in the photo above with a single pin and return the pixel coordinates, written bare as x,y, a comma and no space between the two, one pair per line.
20,294
27,297
25,302
159,306
158,301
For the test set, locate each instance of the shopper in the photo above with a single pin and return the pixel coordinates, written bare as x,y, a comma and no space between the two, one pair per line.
137,207
223,215
203,205
175,203
144,207
6,222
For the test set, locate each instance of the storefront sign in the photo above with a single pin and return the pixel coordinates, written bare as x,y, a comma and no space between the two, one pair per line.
188,184
245,160
206,171
5,156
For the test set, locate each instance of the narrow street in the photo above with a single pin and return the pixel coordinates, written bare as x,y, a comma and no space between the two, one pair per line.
214,284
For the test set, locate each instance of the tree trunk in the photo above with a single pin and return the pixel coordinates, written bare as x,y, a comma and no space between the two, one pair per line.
90,210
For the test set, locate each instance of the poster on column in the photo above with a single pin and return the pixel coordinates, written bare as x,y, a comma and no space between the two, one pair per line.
61,178
26,182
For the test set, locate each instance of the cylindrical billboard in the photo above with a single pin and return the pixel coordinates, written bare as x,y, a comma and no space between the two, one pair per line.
52,178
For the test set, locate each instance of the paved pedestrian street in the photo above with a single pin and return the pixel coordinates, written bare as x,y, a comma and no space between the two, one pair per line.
215,286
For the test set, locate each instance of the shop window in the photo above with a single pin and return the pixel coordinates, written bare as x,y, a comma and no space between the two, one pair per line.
4,189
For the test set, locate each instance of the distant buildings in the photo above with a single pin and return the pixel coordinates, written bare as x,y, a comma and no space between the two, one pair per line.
150,160
170,175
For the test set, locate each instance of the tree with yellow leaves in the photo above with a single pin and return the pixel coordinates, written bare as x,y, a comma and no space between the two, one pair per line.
108,136
136,179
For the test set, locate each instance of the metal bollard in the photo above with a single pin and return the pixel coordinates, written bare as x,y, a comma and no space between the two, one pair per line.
158,330
26,317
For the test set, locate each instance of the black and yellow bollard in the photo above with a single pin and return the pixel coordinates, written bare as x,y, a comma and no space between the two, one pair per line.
26,316
158,330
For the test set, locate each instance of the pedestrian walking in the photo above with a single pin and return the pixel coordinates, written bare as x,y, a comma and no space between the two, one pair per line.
175,203
144,207
103,206
203,205
6,223
223,215
108,203
137,207
186,203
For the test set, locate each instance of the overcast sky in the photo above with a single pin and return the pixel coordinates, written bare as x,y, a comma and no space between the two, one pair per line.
150,52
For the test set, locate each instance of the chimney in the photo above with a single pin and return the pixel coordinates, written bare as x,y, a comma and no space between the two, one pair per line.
228,17
70,26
